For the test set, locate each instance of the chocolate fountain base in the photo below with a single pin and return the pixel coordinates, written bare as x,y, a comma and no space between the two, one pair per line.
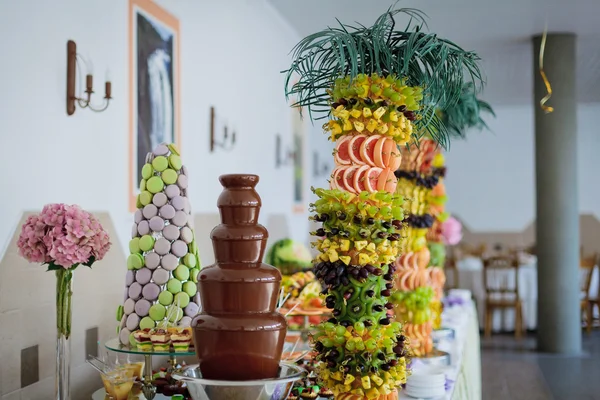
263,389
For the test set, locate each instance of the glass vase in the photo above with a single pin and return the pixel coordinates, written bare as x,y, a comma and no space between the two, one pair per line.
64,293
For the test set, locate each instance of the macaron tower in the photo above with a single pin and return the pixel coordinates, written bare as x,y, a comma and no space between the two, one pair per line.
163,264
379,87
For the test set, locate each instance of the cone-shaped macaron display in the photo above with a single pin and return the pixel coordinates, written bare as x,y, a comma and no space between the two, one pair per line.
163,264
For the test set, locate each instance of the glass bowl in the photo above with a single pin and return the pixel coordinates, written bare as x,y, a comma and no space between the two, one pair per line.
263,389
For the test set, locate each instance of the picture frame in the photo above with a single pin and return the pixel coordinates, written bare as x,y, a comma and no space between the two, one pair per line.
154,85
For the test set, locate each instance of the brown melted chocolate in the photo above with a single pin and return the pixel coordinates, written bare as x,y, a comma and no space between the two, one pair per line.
239,335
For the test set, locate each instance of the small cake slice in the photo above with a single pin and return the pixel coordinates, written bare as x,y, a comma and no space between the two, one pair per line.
181,340
143,339
161,340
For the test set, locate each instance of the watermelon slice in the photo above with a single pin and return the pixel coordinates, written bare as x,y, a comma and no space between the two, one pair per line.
348,178
360,178
342,155
354,148
371,179
367,150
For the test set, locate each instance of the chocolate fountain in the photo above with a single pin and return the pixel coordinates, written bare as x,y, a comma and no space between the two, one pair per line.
239,335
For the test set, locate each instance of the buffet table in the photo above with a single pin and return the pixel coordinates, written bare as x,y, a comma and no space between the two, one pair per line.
464,373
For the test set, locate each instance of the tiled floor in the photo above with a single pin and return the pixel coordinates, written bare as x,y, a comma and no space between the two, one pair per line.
512,370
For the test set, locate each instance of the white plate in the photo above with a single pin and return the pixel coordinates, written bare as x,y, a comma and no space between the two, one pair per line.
424,393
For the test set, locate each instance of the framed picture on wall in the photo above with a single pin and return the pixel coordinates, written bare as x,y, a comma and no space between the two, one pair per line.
299,138
154,112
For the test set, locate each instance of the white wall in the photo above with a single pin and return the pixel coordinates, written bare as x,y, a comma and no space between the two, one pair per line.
491,175
232,53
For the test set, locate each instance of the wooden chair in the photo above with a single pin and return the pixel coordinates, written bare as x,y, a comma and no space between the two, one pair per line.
586,267
502,291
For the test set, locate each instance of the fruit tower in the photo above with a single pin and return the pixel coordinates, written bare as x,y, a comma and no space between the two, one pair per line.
413,301
380,88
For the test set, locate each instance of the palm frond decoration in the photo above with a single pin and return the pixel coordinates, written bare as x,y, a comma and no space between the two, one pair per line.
437,65
466,113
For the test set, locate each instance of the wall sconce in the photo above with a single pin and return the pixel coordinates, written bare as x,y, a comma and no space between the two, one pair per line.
284,159
319,168
228,141
72,99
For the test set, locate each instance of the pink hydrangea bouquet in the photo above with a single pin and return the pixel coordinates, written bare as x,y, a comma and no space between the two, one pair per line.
63,237
451,231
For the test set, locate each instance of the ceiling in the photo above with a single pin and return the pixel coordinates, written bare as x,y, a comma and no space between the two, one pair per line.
499,31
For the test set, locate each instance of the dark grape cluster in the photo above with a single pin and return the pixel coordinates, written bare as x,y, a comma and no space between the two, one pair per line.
439,172
427,181
357,227
420,221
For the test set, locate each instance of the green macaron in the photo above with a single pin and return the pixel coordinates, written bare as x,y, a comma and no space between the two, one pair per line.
194,274
146,243
169,176
165,298
189,260
147,323
135,261
147,171
157,312
175,162
134,245
182,299
173,148
119,313
190,288
176,314
155,184
160,163
142,185
145,197
182,273
174,286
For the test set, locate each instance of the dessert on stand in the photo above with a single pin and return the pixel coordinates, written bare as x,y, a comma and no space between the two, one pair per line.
380,88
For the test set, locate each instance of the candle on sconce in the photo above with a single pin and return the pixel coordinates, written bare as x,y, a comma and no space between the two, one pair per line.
89,83
107,90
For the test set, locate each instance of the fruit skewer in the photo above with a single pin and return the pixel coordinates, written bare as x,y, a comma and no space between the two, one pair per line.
380,88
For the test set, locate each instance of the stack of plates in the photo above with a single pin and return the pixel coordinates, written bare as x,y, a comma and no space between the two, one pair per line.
426,383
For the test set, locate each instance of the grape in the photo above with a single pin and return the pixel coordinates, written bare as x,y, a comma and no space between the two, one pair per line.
350,345
371,344
340,330
327,342
359,327
339,340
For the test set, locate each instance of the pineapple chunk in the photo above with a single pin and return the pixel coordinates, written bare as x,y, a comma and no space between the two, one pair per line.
355,113
336,128
326,243
379,112
363,259
367,112
344,245
386,389
359,126
372,393
371,125
394,116
387,376
382,129
371,247
325,373
337,375
360,244
332,255
346,388
365,382
324,257
358,391
346,259
349,379
347,125
378,381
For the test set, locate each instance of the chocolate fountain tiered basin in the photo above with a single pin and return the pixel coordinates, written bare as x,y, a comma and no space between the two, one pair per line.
239,335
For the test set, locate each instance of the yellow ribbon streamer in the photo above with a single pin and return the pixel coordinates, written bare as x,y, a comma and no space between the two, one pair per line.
547,109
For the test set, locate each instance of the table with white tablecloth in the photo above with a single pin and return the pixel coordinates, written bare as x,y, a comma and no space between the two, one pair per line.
470,277
464,373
